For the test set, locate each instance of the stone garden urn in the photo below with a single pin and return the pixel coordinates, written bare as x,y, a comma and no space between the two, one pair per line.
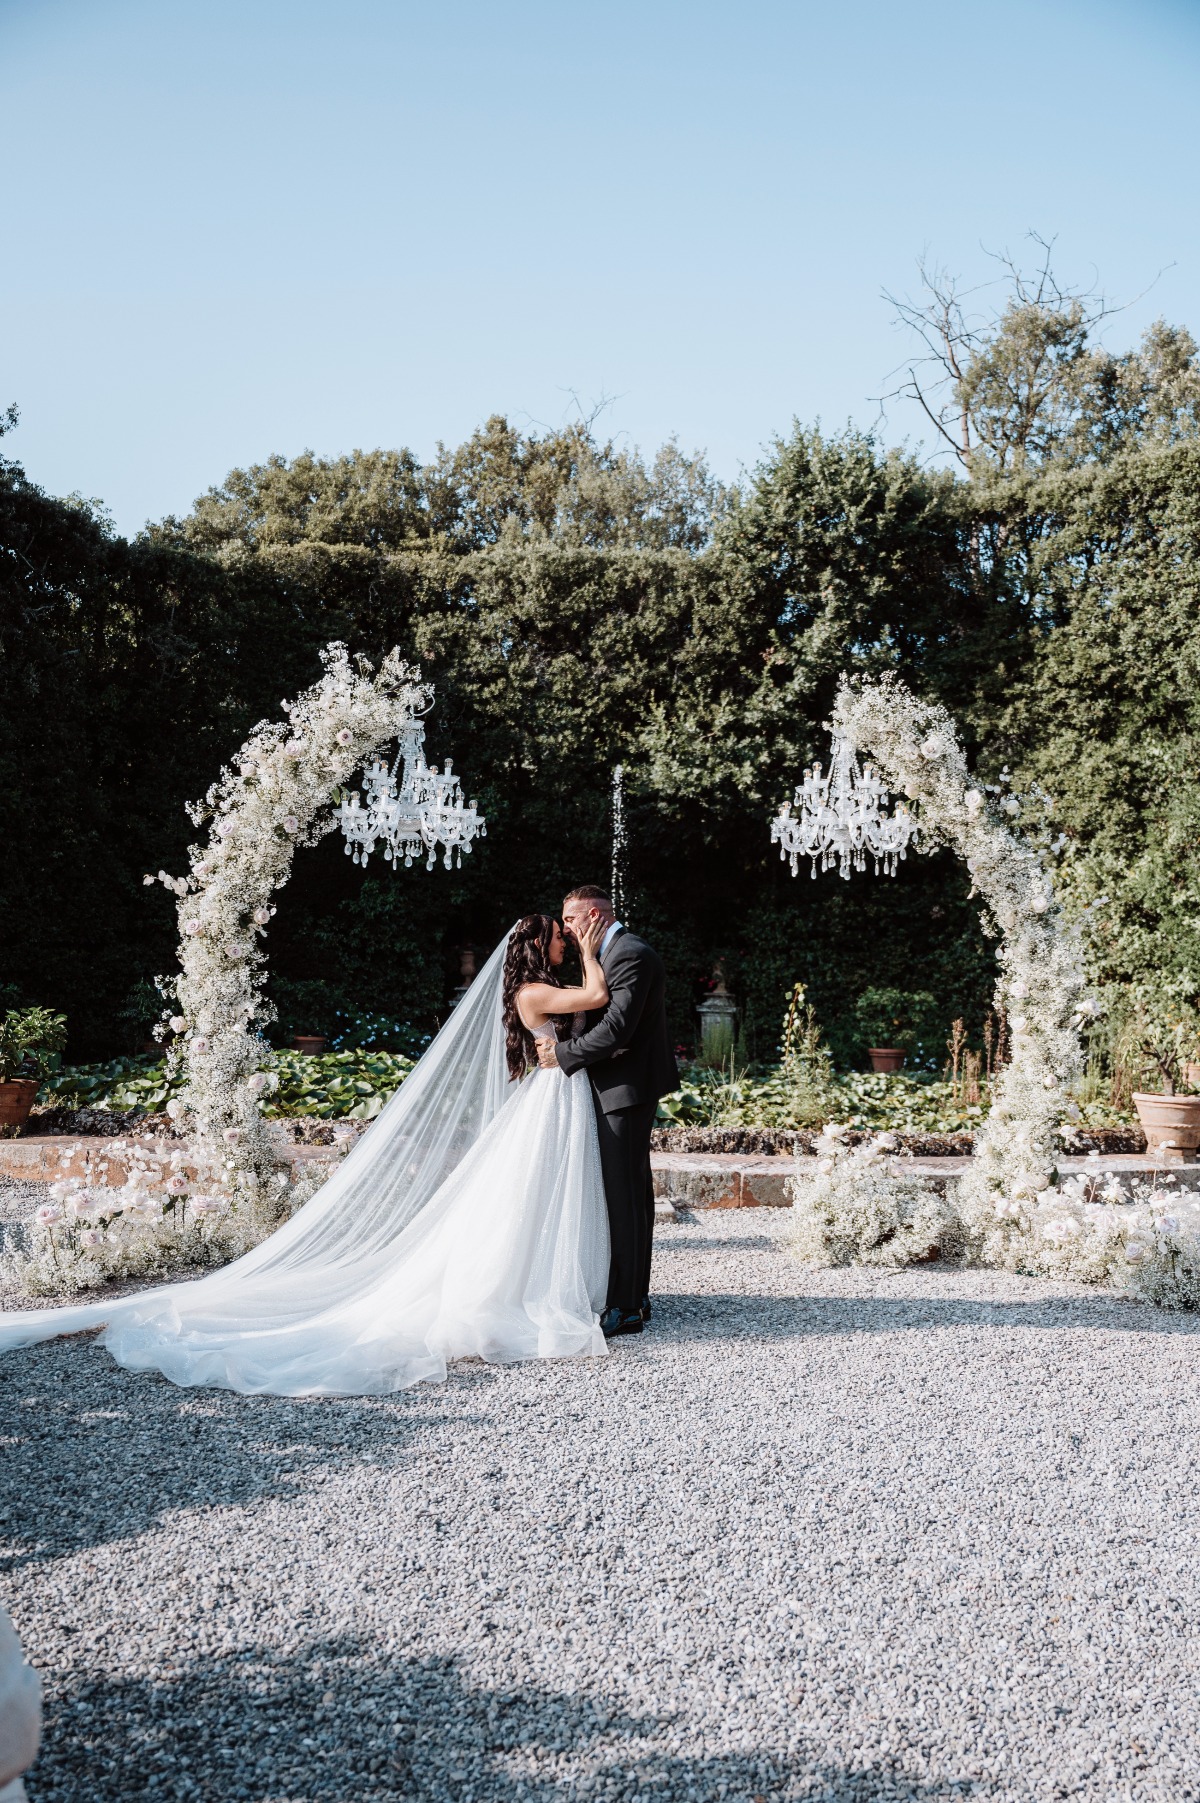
718,1017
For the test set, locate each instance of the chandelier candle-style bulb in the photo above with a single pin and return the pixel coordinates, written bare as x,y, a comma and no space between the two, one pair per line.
841,818
411,809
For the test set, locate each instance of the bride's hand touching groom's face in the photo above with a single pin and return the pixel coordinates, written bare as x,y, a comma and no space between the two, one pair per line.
589,936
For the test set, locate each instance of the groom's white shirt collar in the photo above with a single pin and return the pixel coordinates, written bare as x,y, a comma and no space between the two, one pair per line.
608,937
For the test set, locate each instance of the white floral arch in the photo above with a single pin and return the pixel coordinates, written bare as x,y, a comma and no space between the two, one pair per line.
277,794
919,753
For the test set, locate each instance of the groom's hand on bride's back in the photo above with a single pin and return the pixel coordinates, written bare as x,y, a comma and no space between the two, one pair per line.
546,1055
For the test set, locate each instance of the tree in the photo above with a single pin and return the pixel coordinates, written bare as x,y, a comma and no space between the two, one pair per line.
500,485
1024,384
1107,717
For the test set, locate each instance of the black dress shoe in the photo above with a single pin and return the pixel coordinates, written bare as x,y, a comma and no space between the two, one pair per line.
645,1308
614,1321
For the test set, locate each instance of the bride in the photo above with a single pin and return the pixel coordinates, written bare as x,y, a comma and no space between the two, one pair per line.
468,1223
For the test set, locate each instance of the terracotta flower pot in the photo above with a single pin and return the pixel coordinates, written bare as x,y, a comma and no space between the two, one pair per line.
16,1099
886,1058
312,1043
1171,1125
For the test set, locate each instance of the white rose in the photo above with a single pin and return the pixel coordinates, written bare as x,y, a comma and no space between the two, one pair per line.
257,1083
1135,1252
291,824
232,1135
261,916
193,926
48,1215
177,1023
227,827
91,1236
973,801
345,738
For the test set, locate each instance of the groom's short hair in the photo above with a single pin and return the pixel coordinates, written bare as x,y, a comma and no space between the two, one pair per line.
588,892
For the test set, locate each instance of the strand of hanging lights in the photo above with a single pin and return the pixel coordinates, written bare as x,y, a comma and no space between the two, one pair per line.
841,818
620,840
410,809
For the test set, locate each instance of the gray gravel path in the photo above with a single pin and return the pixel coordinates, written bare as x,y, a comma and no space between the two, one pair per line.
817,1535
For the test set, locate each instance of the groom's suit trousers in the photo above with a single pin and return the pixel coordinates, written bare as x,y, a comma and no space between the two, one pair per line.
624,1136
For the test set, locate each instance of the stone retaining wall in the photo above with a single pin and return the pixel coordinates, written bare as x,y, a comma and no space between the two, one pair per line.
689,1179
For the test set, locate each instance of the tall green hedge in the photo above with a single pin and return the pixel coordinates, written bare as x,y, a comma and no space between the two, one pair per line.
644,618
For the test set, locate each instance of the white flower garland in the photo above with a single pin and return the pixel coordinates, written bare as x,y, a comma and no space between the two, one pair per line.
278,795
919,753
1008,1209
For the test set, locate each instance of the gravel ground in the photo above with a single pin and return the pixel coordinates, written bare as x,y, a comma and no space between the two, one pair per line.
816,1535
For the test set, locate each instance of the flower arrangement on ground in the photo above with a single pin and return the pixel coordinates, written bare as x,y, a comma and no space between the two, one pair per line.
863,1205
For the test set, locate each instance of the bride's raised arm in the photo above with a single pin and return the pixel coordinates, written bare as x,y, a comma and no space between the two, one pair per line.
539,1002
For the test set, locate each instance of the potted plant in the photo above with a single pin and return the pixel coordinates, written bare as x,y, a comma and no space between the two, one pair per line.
312,1043
891,1024
1163,1033
31,1042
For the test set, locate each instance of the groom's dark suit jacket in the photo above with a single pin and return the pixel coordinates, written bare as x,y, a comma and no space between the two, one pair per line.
625,1047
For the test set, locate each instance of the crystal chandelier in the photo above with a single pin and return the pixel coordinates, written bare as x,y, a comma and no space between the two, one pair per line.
841,818
413,818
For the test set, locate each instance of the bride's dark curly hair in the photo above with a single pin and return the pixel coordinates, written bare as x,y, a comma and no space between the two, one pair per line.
527,960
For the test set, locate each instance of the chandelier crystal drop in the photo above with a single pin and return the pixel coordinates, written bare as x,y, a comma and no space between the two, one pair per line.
841,818
413,816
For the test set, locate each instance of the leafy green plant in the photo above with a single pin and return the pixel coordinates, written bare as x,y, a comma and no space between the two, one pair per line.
902,1102
1161,1031
31,1043
335,1085
806,1067
352,1085
357,1030
896,1017
120,1084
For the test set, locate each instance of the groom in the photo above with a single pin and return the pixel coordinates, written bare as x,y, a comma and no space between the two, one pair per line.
626,1050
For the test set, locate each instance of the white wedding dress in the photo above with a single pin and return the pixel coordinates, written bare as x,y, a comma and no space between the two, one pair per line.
468,1223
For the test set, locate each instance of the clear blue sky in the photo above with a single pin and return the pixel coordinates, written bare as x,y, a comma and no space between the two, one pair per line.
232,227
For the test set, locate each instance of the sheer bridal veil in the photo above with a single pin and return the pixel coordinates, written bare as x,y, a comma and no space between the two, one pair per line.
343,1242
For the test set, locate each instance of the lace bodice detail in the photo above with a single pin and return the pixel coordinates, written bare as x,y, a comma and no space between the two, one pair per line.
545,1031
